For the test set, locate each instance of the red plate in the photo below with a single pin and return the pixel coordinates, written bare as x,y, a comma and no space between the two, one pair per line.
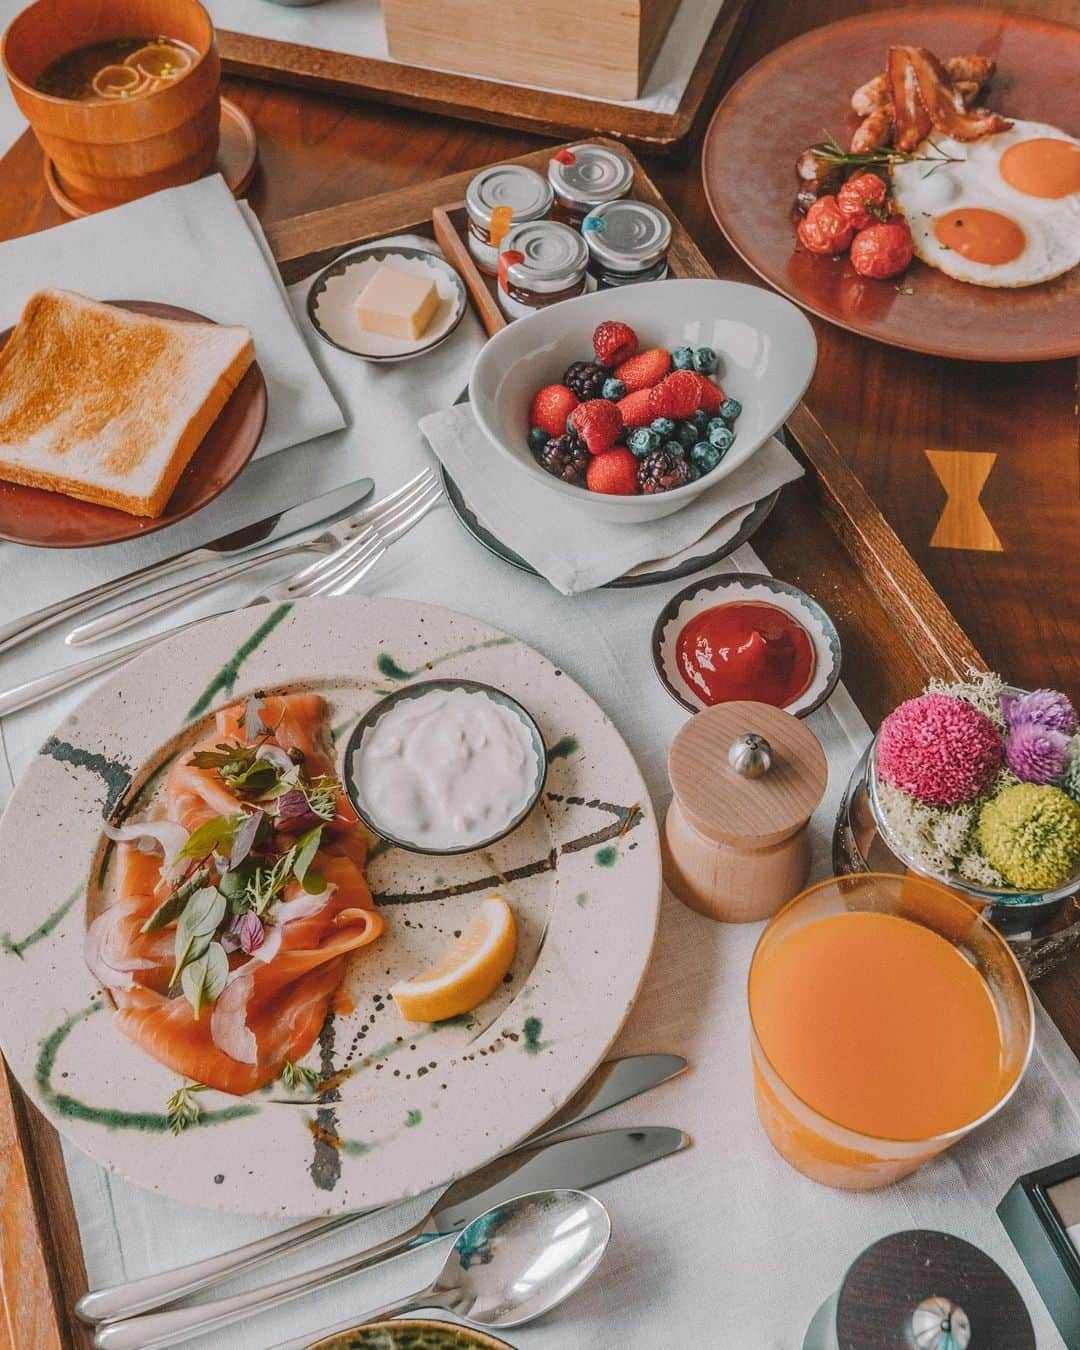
788,100
53,520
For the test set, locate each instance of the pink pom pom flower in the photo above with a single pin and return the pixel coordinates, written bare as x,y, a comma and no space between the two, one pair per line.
1044,707
1036,754
939,749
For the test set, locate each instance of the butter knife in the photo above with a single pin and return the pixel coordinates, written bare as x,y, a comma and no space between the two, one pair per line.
578,1164
328,507
615,1081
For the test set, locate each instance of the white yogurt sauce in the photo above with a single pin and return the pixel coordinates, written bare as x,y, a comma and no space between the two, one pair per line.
445,770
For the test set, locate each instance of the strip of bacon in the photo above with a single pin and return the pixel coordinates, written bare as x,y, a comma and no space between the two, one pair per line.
924,97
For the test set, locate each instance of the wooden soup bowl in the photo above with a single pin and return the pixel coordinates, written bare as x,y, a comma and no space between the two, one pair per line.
116,150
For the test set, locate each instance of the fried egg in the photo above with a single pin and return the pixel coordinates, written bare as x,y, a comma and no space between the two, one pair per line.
1005,213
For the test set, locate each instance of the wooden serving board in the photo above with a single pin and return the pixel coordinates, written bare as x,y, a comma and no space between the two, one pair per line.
825,535
489,101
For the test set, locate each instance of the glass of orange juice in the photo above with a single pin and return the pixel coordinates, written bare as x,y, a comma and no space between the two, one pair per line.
888,1019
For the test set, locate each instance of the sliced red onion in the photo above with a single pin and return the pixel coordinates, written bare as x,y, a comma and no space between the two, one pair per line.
111,967
273,754
228,1022
169,836
271,945
252,935
302,905
253,723
292,812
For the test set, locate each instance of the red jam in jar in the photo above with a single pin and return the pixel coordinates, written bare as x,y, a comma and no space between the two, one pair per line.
747,649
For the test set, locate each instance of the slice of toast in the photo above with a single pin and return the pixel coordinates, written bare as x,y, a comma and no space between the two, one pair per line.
107,405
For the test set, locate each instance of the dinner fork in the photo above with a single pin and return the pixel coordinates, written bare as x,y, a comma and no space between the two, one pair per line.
333,575
131,612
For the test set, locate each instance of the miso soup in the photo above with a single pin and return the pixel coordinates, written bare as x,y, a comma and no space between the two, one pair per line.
123,67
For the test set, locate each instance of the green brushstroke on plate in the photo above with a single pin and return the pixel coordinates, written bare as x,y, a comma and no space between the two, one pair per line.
413,1118
225,680
13,948
582,899
393,670
608,856
564,747
111,1117
532,1029
114,773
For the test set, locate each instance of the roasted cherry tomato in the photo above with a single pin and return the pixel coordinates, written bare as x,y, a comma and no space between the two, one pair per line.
862,199
823,229
882,250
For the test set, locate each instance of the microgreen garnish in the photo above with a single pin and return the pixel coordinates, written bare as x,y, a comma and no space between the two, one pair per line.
213,834
182,1110
295,1076
305,849
196,927
266,883
322,798
244,838
173,906
204,977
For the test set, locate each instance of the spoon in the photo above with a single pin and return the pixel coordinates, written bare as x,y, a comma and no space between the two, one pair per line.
510,1265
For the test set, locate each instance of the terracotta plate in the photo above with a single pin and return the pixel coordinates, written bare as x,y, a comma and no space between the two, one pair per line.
786,102
52,520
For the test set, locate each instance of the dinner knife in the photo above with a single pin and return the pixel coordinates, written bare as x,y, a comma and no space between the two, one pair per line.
324,509
578,1163
615,1081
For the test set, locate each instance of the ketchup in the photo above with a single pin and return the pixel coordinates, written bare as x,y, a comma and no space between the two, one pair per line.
747,649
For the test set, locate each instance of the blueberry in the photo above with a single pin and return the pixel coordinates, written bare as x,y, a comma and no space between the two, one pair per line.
675,449
695,472
705,360
687,434
705,457
614,390
730,408
720,434
664,428
643,441
682,358
538,438
571,430
699,421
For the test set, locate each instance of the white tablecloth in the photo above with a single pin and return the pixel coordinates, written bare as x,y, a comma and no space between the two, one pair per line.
723,1245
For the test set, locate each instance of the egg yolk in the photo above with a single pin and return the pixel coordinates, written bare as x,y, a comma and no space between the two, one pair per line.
1042,167
980,235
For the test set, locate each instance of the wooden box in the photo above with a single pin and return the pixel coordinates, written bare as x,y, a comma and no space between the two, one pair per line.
604,50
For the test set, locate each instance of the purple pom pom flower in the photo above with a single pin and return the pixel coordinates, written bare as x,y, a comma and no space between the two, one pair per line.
1036,754
1045,708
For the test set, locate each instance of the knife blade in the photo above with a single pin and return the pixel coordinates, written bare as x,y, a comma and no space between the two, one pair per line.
578,1163
327,508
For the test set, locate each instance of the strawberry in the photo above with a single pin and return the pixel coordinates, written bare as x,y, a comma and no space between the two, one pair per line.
551,407
597,423
710,395
615,472
614,343
677,396
635,409
644,370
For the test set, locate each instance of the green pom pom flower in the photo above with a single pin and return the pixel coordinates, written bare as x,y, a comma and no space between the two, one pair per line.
1070,779
1031,834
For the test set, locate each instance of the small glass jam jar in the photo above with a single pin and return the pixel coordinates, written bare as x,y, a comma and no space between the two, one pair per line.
500,196
628,242
541,263
584,176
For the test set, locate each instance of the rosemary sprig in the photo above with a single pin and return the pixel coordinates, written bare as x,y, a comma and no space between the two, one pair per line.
182,1110
882,157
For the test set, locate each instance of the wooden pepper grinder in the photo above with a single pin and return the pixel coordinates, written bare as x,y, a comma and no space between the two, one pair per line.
746,779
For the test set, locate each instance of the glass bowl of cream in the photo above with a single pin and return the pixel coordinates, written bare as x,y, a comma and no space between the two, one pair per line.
445,766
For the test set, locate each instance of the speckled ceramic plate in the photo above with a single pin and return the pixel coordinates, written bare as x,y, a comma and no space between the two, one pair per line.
417,1104
331,303
733,586
411,1335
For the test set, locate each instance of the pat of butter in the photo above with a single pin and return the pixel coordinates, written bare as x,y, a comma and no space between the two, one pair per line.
397,304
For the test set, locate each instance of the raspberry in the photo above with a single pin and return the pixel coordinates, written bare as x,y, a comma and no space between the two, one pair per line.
615,471
614,343
634,409
551,407
677,396
598,423
645,369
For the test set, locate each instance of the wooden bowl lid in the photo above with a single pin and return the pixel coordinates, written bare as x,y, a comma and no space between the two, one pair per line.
732,809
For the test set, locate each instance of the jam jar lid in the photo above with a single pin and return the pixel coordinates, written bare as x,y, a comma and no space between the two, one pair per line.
523,190
554,256
588,175
627,236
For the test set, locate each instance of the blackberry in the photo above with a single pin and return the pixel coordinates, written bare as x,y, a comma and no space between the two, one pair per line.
660,472
586,380
565,457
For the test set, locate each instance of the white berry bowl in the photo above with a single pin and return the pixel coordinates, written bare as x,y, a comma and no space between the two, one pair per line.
767,355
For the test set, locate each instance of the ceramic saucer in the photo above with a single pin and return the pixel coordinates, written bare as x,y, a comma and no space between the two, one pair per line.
733,586
331,303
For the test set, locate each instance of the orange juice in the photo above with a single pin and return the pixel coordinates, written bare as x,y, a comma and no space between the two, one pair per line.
888,1018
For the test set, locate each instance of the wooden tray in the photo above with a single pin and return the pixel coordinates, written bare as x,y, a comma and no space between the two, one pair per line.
487,101
824,535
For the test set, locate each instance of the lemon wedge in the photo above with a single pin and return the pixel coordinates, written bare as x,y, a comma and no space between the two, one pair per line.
469,972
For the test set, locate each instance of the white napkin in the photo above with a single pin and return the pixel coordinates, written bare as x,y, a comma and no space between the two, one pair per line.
569,546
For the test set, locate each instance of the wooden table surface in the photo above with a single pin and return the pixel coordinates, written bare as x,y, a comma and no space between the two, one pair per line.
899,418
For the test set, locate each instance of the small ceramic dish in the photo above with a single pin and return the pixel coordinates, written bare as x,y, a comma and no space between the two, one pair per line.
331,302
742,586
375,714
410,1334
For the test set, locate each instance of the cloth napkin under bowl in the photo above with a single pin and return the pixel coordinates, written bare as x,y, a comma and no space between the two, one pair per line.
570,547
